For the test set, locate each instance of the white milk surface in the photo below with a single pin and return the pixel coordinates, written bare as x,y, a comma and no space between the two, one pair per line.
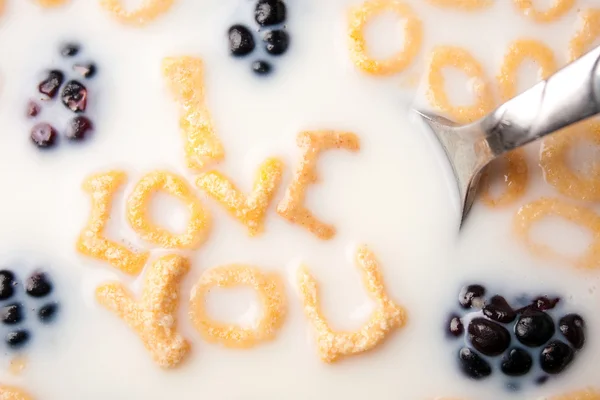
392,196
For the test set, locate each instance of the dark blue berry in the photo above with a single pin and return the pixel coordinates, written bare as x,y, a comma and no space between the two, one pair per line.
52,83
11,314
78,128
33,109
70,50
573,328
517,362
470,294
47,313
85,70
7,284
473,365
17,339
488,337
241,41
270,12
455,326
277,42
38,285
534,328
499,310
74,96
555,357
43,135
261,67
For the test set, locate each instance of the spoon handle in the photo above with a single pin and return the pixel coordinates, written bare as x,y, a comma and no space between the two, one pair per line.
567,97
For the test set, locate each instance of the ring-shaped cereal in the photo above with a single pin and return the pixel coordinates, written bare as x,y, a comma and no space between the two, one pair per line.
588,394
554,162
51,3
456,57
271,294
584,217
147,12
413,36
583,40
516,176
557,10
467,5
141,222
13,393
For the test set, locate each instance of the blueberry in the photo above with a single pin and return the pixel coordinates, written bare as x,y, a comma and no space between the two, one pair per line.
473,365
261,67
572,327
17,339
85,70
241,42
544,303
270,12
7,284
488,337
33,109
74,96
47,313
11,314
52,83
43,135
471,295
70,50
555,357
499,310
517,362
38,285
455,326
78,128
534,328
277,42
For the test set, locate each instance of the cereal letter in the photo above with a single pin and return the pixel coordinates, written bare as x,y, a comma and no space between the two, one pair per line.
185,78
148,11
137,212
154,318
387,317
91,242
249,210
267,286
13,393
312,144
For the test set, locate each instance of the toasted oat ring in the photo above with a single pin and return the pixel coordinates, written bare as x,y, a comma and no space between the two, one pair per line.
149,10
13,393
467,5
413,31
516,176
137,212
585,37
582,216
271,294
588,394
554,163
51,3
558,9
449,56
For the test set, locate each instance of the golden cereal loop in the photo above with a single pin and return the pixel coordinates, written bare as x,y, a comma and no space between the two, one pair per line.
137,212
147,12
267,286
387,316
558,9
466,5
554,162
186,81
583,40
154,317
518,52
249,210
548,207
91,242
456,57
514,176
291,207
51,3
588,394
359,52
13,393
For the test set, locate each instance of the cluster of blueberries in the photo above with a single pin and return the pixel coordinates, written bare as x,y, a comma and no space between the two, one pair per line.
13,313
270,15
73,95
514,339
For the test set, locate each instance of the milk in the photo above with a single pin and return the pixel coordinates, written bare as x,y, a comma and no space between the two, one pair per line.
393,196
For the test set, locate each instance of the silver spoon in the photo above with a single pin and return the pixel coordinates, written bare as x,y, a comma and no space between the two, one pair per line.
567,97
